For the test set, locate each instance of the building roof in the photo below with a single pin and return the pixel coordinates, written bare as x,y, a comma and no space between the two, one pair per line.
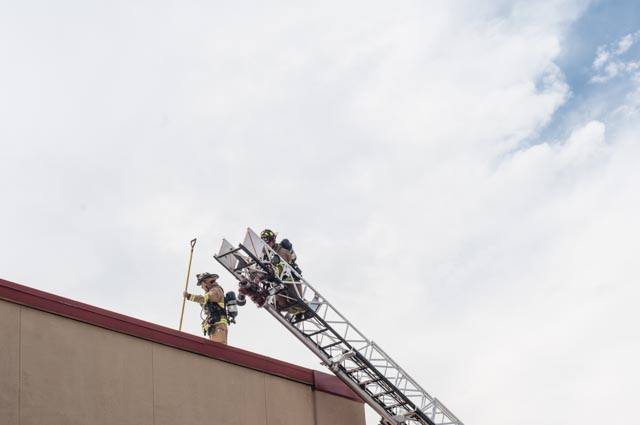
44,301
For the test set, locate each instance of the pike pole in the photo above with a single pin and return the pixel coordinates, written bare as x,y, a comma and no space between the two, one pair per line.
186,284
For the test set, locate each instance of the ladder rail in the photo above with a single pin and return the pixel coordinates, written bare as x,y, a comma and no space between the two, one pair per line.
287,269
326,360
359,362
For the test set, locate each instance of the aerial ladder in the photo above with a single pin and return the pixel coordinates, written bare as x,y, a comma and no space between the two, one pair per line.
356,360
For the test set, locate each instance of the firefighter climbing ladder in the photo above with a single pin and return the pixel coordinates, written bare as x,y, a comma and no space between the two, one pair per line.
357,361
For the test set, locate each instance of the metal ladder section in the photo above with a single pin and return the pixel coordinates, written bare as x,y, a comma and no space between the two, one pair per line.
357,361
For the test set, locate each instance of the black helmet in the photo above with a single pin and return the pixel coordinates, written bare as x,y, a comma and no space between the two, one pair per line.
202,276
268,235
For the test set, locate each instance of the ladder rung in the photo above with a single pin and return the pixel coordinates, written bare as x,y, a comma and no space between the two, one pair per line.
317,332
381,394
244,266
302,319
370,381
357,369
396,405
331,345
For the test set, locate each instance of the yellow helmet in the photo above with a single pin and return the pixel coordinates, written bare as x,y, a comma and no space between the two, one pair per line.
268,235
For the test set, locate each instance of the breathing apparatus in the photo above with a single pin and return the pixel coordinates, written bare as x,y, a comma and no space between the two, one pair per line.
231,304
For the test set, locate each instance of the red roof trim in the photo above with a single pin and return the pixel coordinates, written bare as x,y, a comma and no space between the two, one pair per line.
50,303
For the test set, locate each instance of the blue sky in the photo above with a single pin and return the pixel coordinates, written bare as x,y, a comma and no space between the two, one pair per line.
603,22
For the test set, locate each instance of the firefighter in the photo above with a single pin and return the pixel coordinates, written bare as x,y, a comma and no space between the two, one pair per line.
215,322
284,249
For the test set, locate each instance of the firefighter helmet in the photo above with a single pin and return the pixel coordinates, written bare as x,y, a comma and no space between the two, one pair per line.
268,235
202,276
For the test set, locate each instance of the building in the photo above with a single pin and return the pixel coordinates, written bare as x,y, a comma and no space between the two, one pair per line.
63,362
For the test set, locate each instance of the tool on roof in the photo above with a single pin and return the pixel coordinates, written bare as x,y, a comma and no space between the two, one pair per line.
186,283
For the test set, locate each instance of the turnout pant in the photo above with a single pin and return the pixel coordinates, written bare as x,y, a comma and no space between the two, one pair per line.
219,333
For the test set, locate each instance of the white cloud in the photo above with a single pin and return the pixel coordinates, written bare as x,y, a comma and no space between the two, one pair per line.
626,42
601,58
608,64
391,144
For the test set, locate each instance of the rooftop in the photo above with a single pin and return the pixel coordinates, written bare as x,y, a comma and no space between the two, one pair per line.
44,301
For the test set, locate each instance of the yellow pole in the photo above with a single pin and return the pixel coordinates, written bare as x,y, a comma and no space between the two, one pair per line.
186,284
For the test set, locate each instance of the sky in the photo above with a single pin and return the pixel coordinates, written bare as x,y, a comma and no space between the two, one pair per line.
459,178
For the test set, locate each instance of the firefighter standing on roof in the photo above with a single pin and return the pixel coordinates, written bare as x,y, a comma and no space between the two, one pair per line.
215,323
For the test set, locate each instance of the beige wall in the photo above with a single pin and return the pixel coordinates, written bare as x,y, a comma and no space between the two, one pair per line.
9,363
55,370
334,410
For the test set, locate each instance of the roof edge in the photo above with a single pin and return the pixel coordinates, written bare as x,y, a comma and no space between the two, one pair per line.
50,303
